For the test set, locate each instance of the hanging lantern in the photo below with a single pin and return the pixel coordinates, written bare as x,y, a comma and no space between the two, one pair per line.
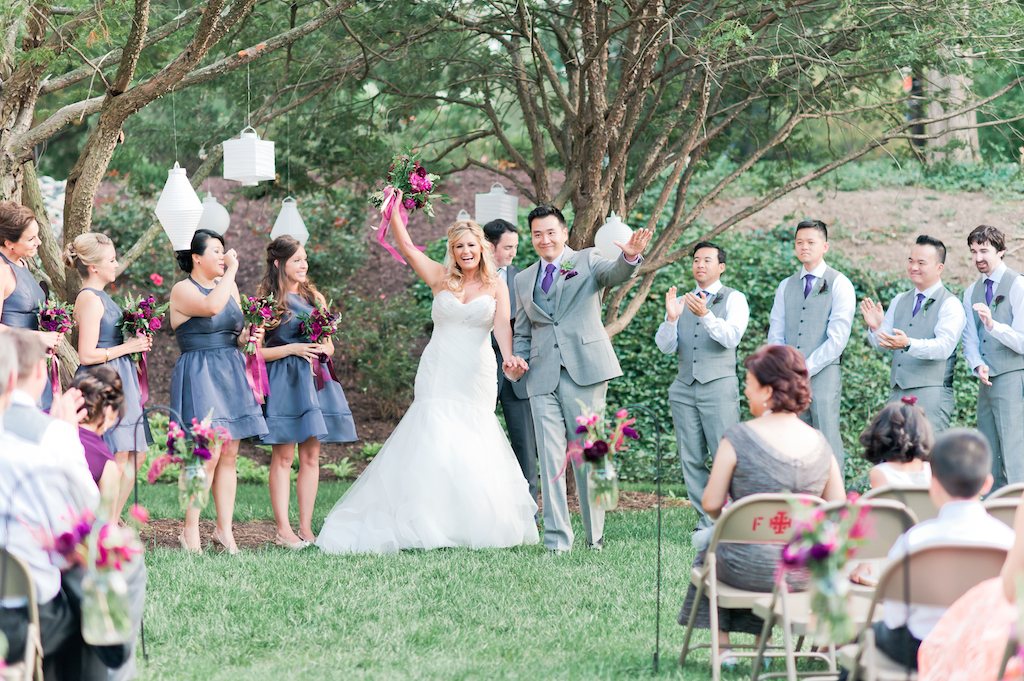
611,231
179,209
463,215
215,216
496,204
290,222
249,159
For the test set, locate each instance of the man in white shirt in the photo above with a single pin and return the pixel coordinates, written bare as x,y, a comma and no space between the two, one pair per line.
704,326
922,328
813,312
994,348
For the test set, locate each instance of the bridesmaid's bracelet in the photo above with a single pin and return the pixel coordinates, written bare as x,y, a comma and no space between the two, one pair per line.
108,356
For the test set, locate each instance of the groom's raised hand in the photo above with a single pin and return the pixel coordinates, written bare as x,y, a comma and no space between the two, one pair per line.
636,245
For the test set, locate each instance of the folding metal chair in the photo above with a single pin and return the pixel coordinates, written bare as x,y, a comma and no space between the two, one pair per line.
1003,508
16,582
915,498
1014,490
939,574
754,519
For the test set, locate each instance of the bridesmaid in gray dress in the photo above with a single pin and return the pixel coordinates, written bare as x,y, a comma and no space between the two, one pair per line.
100,344
20,294
775,452
296,412
210,373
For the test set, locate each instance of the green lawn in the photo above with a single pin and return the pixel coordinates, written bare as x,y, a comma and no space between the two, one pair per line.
446,614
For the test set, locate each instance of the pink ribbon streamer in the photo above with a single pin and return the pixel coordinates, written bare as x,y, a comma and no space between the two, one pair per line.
256,375
143,379
323,370
390,201
54,373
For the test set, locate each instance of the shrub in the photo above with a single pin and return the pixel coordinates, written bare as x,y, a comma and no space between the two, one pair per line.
343,469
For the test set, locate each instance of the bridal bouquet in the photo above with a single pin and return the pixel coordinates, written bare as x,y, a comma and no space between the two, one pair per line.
822,545
141,317
55,316
320,325
405,174
193,490
602,438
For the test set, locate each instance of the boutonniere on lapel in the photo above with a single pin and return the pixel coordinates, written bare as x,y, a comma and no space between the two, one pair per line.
995,303
927,304
823,289
717,299
567,270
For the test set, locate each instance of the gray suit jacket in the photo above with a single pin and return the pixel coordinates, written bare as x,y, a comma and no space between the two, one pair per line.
519,386
575,332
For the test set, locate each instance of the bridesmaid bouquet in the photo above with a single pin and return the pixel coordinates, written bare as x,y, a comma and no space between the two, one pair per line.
258,310
320,325
193,491
140,317
405,174
602,438
823,545
55,316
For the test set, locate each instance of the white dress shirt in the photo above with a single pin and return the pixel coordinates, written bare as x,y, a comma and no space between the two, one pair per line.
964,521
840,319
61,447
948,327
726,330
503,274
1010,335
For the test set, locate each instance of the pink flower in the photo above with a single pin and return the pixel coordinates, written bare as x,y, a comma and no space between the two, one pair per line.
139,513
156,279
409,204
582,420
419,182
155,323
621,414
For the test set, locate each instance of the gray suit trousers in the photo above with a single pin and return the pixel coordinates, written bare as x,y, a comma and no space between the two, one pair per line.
937,402
1001,419
823,414
701,413
554,418
519,422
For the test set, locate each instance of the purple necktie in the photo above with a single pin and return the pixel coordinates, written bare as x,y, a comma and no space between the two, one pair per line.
988,292
807,286
549,276
917,305
703,294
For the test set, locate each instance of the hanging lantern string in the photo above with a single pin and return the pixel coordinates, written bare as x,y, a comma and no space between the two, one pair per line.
174,126
248,98
288,151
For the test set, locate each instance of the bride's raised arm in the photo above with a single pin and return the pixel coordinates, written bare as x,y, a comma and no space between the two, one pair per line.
428,270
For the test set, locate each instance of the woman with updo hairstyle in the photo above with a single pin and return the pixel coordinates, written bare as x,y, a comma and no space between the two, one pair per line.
100,343
775,452
104,407
20,294
899,442
209,376
296,412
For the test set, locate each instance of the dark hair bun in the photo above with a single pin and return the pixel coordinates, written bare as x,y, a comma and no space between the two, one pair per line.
184,261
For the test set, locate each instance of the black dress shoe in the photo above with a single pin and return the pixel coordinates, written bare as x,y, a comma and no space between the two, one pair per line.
597,546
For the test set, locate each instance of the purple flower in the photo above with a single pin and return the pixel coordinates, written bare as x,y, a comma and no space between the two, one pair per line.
409,204
203,453
65,543
570,275
793,556
629,432
580,430
420,170
820,552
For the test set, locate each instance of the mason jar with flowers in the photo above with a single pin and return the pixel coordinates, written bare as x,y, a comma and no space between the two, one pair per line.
601,438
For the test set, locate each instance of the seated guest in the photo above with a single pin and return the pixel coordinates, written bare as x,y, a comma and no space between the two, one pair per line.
899,442
961,472
775,452
104,407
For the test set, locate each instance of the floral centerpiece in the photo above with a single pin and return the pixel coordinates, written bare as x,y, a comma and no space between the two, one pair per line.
822,545
320,325
407,175
257,310
55,316
193,490
602,438
140,317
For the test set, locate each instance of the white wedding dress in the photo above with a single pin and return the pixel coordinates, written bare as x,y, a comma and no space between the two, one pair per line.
447,476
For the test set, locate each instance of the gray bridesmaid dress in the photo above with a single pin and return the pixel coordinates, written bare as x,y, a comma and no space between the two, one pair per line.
210,373
296,410
21,310
124,437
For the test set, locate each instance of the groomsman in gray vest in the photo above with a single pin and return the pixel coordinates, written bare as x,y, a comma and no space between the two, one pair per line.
560,332
922,328
813,312
994,349
515,403
704,326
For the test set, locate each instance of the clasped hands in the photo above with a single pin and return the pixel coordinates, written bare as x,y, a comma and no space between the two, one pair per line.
514,367
674,307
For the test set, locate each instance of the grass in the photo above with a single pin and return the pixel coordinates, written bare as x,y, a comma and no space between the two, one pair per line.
446,614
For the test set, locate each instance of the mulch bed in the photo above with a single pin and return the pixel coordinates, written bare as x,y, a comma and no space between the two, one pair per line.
163,532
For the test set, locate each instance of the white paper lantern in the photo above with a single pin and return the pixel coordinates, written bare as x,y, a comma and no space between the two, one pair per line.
290,222
611,231
496,204
249,159
215,216
179,209
463,215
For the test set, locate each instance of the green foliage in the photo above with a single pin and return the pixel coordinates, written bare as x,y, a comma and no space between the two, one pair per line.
342,470
368,451
124,217
337,245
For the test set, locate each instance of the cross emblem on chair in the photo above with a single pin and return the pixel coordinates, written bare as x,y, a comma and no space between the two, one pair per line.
780,522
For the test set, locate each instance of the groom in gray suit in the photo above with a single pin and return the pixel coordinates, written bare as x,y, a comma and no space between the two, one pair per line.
560,333
515,403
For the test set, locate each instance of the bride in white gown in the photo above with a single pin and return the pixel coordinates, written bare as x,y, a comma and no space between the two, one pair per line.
447,476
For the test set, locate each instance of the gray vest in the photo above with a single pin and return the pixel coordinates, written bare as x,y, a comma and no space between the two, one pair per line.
999,358
700,357
807,318
546,301
28,423
910,372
